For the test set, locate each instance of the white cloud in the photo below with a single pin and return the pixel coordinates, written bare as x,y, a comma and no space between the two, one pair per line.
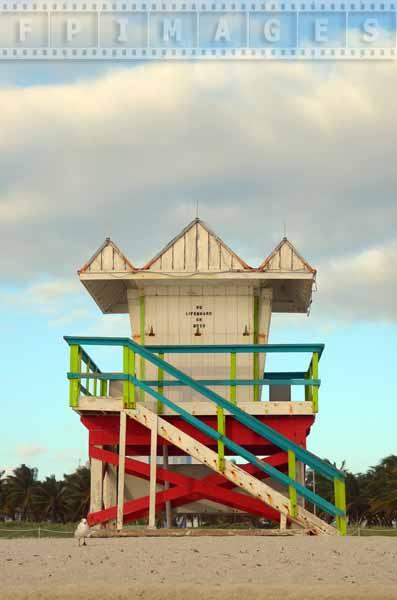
360,286
49,293
110,326
72,316
60,299
130,153
30,451
69,455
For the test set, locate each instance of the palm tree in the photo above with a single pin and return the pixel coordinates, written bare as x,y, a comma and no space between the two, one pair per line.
2,492
48,499
19,488
77,493
383,487
357,496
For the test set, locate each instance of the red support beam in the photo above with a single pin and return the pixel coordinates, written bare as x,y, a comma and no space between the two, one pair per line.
104,430
187,489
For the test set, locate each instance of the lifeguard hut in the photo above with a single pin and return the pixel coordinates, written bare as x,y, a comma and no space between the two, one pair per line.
191,384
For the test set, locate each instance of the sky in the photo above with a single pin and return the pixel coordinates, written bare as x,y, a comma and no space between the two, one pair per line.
93,150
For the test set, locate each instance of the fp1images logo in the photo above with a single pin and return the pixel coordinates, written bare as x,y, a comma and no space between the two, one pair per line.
197,31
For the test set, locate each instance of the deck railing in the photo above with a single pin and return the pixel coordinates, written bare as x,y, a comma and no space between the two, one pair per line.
309,378
155,356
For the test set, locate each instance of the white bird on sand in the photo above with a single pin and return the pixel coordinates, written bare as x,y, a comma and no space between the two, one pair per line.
82,531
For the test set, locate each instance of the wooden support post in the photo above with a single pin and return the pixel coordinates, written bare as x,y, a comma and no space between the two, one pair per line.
283,522
96,485
233,375
142,368
221,446
315,376
291,490
340,502
75,367
110,488
160,388
168,516
153,475
121,470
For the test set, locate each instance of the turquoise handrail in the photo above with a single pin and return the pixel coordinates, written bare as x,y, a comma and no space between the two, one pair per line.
214,382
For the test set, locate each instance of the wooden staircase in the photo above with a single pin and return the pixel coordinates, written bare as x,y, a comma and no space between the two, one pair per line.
230,471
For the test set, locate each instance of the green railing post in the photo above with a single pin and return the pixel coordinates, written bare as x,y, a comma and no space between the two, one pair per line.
75,367
95,386
132,373
221,429
233,375
307,387
160,388
126,386
256,355
340,502
142,340
87,381
128,369
293,496
103,388
315,376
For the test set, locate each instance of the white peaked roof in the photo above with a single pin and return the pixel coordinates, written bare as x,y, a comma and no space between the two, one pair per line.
196,248
285,257
198,256
106,259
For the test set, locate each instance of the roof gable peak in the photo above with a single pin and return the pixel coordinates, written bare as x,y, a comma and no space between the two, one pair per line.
196,248
285,257
107,258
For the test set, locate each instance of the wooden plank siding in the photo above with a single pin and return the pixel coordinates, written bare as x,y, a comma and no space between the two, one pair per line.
195,314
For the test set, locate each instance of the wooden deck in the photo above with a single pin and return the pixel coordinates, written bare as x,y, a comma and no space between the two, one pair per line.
98,404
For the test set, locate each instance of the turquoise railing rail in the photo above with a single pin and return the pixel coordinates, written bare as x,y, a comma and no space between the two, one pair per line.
295,452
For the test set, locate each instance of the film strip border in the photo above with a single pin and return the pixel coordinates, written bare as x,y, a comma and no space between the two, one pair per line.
56,15
197,7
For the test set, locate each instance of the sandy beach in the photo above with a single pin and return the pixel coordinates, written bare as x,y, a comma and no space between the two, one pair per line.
200,568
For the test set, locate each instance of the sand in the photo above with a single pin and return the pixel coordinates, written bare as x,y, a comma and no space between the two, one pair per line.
237,568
